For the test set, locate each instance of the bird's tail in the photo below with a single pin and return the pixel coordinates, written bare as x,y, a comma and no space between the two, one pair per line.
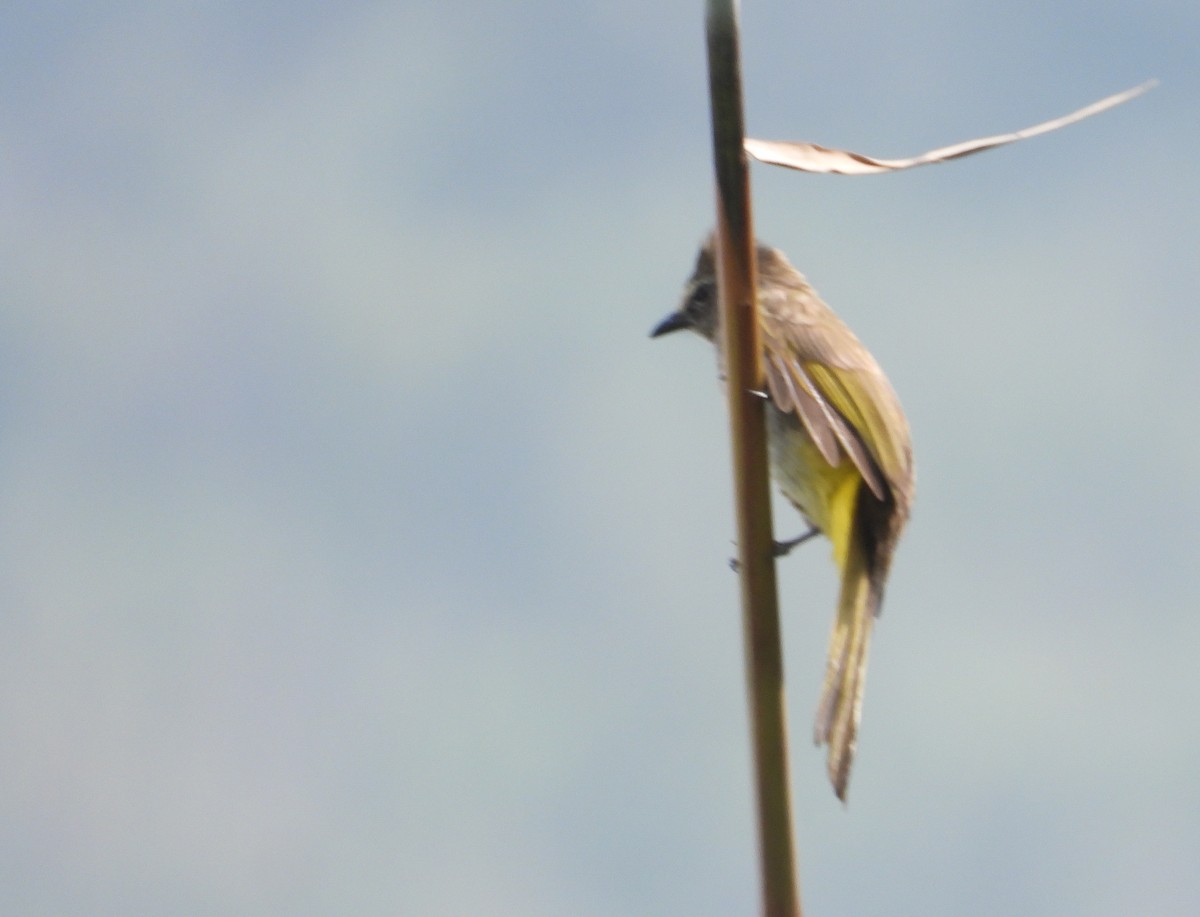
846,669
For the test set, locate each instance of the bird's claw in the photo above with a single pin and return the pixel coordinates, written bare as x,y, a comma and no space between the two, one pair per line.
781,548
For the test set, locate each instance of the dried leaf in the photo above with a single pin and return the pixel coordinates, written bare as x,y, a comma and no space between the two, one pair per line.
811,157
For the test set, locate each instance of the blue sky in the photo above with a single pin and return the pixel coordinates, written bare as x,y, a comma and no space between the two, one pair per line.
359,553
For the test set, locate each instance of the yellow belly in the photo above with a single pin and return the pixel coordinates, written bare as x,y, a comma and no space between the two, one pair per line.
825,494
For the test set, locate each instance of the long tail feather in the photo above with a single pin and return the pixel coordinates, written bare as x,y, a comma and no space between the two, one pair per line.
841,696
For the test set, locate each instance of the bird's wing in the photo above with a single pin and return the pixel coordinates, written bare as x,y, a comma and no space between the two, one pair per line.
866,400
818,369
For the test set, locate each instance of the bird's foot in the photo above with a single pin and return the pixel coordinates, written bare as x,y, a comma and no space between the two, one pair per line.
782,548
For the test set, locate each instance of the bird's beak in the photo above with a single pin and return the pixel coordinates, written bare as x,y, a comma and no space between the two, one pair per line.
673,322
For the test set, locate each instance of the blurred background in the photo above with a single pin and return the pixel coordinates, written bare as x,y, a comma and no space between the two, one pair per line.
360,554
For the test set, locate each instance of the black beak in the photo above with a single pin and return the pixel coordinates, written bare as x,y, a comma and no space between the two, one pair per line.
673,322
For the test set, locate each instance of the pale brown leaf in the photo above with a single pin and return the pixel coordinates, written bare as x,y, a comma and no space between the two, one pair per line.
811,157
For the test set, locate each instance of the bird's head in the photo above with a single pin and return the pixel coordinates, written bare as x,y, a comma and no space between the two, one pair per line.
698,306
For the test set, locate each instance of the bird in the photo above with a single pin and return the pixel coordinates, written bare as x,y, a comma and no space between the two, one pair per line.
839,449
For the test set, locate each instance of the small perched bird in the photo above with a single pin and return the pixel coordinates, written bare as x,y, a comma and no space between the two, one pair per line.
839,450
